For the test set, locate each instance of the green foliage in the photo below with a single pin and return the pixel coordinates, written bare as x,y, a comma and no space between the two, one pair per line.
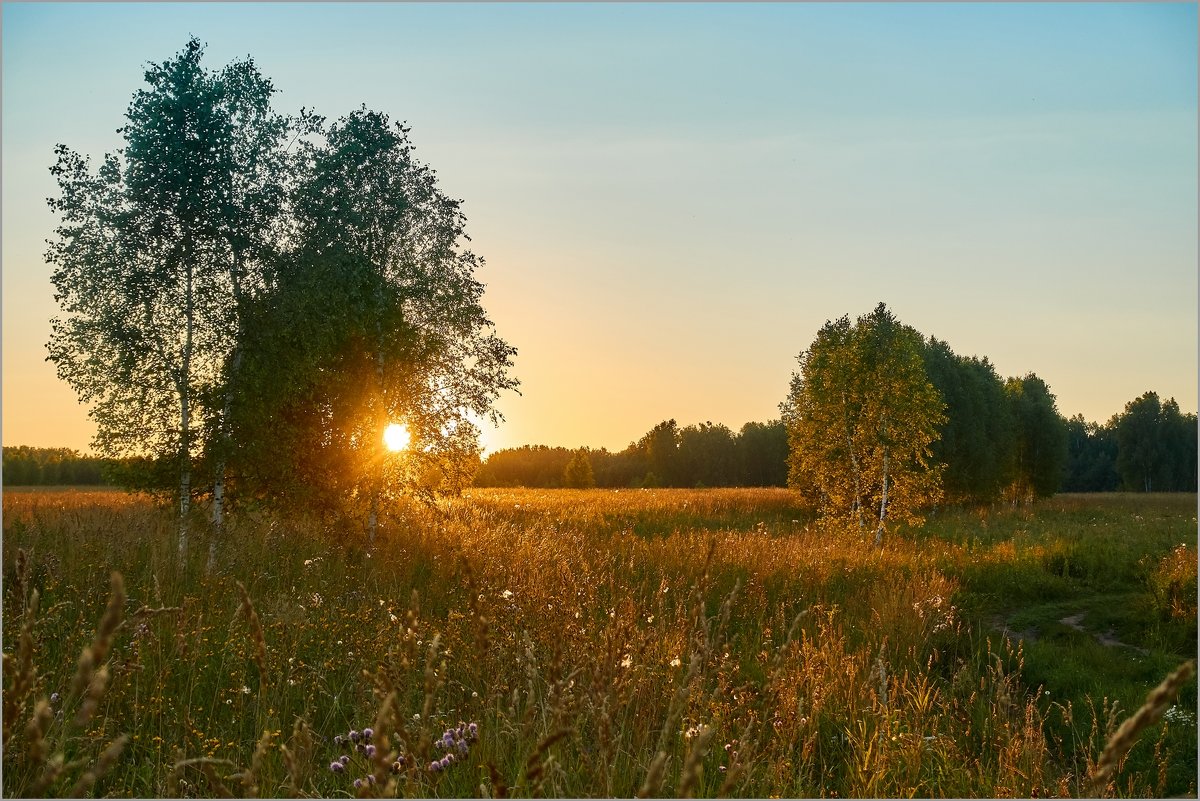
578,472
862,416
26,466
256,294
1156,446
708,454
155,250
977,441
373,318
1091,457
1041,438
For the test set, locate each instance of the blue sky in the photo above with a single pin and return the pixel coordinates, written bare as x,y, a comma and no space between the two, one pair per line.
673,198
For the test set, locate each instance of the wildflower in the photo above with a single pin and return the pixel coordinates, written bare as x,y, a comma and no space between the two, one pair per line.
336,766
370,778
369,751
358,783
627,661
54,698
473,729
337,739
507,594
354,735
345,760
368,733
435,766
245,690
676,662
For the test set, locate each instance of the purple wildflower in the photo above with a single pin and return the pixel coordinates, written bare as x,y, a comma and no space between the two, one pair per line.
337,739
369,750
336,767
370,778
462,747
473,729
435,766
358,783
368,733
345,760
354,736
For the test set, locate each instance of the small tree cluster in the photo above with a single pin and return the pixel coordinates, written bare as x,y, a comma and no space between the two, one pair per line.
253,297
882,422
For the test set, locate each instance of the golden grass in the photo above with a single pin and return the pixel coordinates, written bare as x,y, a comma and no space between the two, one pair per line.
606,643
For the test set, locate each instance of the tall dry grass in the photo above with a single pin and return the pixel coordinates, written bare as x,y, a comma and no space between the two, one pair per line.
599,643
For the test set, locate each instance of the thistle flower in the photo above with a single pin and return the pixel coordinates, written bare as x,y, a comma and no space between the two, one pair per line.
354,736
368,733
435,766
358,783
473,730
369,751
336,766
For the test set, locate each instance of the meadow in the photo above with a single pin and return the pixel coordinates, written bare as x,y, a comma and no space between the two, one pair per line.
595,643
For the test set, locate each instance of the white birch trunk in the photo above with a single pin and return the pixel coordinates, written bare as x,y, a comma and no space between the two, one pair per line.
185,442
883,501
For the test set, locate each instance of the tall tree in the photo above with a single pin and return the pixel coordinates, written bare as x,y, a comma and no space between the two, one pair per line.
977,441
862,416
1041,438
375,317
762,454
578,472
706,456
1091,457
1156,445
659,448
154,251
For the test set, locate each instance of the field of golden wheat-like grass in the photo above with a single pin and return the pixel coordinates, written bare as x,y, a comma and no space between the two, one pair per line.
592,643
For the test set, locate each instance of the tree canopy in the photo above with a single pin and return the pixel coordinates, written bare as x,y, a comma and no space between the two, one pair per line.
259,295
862,416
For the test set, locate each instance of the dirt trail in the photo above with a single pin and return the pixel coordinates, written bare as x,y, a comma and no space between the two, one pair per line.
1104,638
1075,621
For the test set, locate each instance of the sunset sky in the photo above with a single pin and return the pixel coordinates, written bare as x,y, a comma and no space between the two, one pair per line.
673,198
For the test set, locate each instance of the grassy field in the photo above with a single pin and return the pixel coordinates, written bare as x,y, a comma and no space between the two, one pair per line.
595,643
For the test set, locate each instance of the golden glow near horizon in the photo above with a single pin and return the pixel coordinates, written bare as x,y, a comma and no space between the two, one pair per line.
1048,223
396,437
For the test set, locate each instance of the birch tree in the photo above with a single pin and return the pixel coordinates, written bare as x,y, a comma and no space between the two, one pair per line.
861,417
154,254
386,326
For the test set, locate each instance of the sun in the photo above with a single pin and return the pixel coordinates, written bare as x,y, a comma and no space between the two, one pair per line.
396,437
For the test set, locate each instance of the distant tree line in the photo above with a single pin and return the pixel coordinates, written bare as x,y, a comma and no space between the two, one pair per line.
703,455
884,423
1149,447
26,466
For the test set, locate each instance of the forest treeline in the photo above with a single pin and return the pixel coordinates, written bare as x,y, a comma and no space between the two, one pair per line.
1148,447
704,455
26,466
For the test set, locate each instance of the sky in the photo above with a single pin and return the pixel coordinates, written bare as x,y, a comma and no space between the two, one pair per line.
672,199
